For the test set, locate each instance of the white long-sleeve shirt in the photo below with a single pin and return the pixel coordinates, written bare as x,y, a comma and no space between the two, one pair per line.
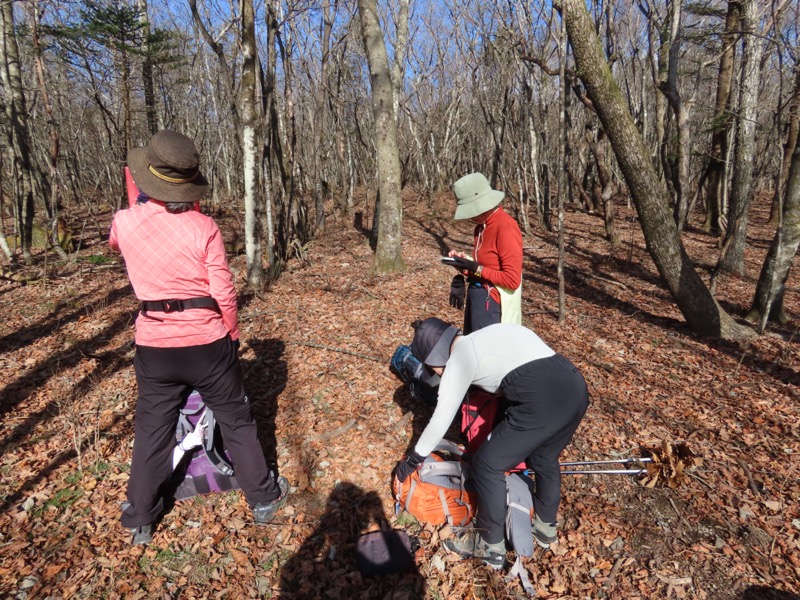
482,358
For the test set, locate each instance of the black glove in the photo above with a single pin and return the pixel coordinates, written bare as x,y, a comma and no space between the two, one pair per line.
410,463
457,287
463,264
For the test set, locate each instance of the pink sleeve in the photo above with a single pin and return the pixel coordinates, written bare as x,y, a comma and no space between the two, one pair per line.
220,280
112,236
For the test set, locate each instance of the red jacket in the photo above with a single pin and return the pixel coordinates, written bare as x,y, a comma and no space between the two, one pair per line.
498,248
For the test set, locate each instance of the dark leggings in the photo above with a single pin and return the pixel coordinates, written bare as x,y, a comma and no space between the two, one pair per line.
165,376
546,399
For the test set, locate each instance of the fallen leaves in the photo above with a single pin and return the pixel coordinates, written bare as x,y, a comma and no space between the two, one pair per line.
332,416
669,463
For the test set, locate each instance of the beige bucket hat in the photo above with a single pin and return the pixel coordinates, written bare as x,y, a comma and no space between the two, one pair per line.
475,196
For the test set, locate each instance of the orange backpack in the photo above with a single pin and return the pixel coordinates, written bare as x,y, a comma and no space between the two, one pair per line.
436,492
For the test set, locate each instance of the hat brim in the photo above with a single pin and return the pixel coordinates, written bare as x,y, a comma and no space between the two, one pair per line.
158,189
486,202
440,352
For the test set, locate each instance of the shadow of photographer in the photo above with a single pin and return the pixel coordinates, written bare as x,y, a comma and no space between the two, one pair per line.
327,564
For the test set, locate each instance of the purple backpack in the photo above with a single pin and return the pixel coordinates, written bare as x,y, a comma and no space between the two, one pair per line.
205,469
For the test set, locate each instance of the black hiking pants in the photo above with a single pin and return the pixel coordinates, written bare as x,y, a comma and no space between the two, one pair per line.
547,399
165,376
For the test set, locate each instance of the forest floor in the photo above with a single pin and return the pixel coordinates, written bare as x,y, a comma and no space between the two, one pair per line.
315,355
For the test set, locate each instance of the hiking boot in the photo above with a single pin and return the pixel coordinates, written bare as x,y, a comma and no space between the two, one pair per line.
142,534
405,365
470,544
544,533
263,511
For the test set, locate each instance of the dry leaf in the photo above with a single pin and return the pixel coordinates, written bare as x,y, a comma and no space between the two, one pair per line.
240,557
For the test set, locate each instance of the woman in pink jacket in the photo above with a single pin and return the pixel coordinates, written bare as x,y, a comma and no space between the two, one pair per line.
187,333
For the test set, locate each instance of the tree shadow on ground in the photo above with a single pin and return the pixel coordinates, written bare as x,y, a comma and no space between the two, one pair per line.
106,364
763,592
21,385
442,236
420,412
265,376
358,223
325,564
754,362
580,287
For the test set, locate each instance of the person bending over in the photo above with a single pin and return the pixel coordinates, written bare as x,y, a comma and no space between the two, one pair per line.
546,398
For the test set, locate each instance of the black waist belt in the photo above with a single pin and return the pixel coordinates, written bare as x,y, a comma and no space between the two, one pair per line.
180,305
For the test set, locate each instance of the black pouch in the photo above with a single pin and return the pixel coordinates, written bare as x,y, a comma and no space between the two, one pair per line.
384,552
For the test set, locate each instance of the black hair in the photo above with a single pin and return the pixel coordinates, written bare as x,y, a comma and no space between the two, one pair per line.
178,207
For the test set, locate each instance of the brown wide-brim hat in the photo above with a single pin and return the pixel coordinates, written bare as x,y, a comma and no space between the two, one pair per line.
168,168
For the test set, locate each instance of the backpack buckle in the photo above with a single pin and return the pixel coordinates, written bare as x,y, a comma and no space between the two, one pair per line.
172,305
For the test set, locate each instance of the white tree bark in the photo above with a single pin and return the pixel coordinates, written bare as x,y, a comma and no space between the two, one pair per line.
250,154
732,256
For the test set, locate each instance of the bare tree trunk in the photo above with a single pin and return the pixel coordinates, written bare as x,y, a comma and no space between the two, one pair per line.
398,65
225,70
607,186
535,166
732,255
250,153
3,241
768,300
16,113
147,69
701,311
272,151
718,164
388,256
562,160
329,11
52,201
668,84
126,133
793,126
659,100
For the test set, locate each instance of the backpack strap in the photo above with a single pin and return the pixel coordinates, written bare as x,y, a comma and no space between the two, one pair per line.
445,510
445,468
218,460
519,505
183,427
519,571
452,470
208,419
448,446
